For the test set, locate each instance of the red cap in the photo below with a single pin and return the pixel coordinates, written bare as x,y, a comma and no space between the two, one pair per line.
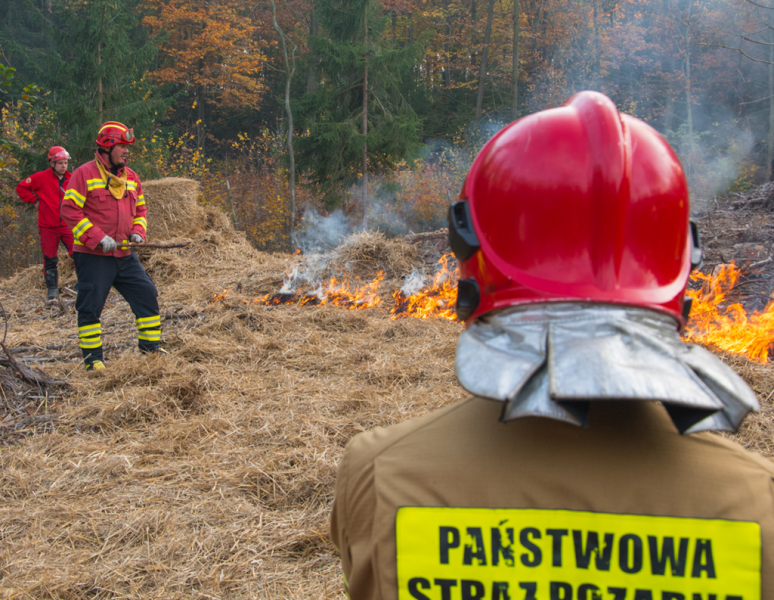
577,203
112,133
58,153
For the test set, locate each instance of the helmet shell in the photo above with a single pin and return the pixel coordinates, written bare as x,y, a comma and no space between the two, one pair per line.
58,153
112,133
579,203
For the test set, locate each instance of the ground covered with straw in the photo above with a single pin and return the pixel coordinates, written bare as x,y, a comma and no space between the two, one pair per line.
209,473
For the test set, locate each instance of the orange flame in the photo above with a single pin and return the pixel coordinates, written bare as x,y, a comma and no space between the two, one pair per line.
729,329
333,292
437,301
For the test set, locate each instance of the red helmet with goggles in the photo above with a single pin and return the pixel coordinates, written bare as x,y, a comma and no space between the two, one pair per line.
58,153
112,133
576,203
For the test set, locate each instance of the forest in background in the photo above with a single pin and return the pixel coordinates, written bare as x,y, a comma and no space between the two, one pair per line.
383,104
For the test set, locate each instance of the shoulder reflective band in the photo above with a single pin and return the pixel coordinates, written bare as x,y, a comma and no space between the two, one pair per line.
528,554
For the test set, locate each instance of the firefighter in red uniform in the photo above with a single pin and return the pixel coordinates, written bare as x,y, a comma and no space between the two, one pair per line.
48,189
581,468
105,208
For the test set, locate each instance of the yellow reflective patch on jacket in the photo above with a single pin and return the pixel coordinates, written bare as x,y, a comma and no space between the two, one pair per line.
77,198
81,228
500,554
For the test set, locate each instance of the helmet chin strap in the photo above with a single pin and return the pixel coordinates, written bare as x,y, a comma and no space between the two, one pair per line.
109,154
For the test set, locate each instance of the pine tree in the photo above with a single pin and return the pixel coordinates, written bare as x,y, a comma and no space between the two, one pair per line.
97,71
93,66
358,117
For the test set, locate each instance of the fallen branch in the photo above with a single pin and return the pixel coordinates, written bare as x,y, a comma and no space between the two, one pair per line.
18,349
26,374
131,245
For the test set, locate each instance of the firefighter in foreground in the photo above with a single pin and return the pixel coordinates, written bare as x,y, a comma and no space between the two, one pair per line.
581,468
105,208
47,189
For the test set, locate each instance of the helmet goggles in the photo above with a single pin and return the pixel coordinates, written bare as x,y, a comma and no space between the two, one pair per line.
113,133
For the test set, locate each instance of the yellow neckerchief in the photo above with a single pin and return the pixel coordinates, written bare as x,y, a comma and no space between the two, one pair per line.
116,184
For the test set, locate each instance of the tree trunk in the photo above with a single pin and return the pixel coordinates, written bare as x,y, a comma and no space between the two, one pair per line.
99,80
200,118
597,63
311,77
365,130
447,46
770,148
99,63
689,109
289,71
515,83
484,58
411,28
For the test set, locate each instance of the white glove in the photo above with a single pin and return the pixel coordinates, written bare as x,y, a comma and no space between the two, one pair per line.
136,238
108,244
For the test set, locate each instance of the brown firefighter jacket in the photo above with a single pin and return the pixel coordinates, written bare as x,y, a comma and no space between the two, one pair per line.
626,509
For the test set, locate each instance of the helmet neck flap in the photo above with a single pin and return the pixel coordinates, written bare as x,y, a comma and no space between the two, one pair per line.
553,359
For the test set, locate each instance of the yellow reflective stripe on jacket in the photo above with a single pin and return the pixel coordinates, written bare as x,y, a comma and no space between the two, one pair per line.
73,195
141,221
94,184
82,226
89,336
131,185
505,553
140,200
149,328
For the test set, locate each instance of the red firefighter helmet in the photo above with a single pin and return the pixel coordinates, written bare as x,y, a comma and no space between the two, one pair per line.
112,133
58,153
576,203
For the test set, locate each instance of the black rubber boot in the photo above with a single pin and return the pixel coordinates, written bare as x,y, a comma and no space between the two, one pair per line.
52,282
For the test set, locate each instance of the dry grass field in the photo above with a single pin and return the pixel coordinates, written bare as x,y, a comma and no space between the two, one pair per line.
209,473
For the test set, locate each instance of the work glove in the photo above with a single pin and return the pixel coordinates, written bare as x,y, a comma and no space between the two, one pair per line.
108,244
136,238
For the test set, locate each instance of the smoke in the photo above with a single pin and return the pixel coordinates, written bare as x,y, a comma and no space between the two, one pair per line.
714,158
318,234
311,273
414,283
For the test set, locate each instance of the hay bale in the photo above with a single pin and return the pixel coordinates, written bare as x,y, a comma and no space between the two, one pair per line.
172,208
364,254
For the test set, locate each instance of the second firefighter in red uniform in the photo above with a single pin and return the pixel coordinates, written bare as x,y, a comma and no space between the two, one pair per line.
47,189
105,207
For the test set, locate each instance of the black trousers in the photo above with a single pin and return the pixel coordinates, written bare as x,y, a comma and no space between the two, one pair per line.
96,275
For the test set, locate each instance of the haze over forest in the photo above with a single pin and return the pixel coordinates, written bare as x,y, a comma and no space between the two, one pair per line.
204,84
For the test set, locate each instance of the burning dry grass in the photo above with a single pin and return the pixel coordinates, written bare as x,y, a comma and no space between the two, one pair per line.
209,473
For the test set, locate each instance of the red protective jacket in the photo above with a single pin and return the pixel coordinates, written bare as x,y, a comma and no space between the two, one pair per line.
43,186
92,212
